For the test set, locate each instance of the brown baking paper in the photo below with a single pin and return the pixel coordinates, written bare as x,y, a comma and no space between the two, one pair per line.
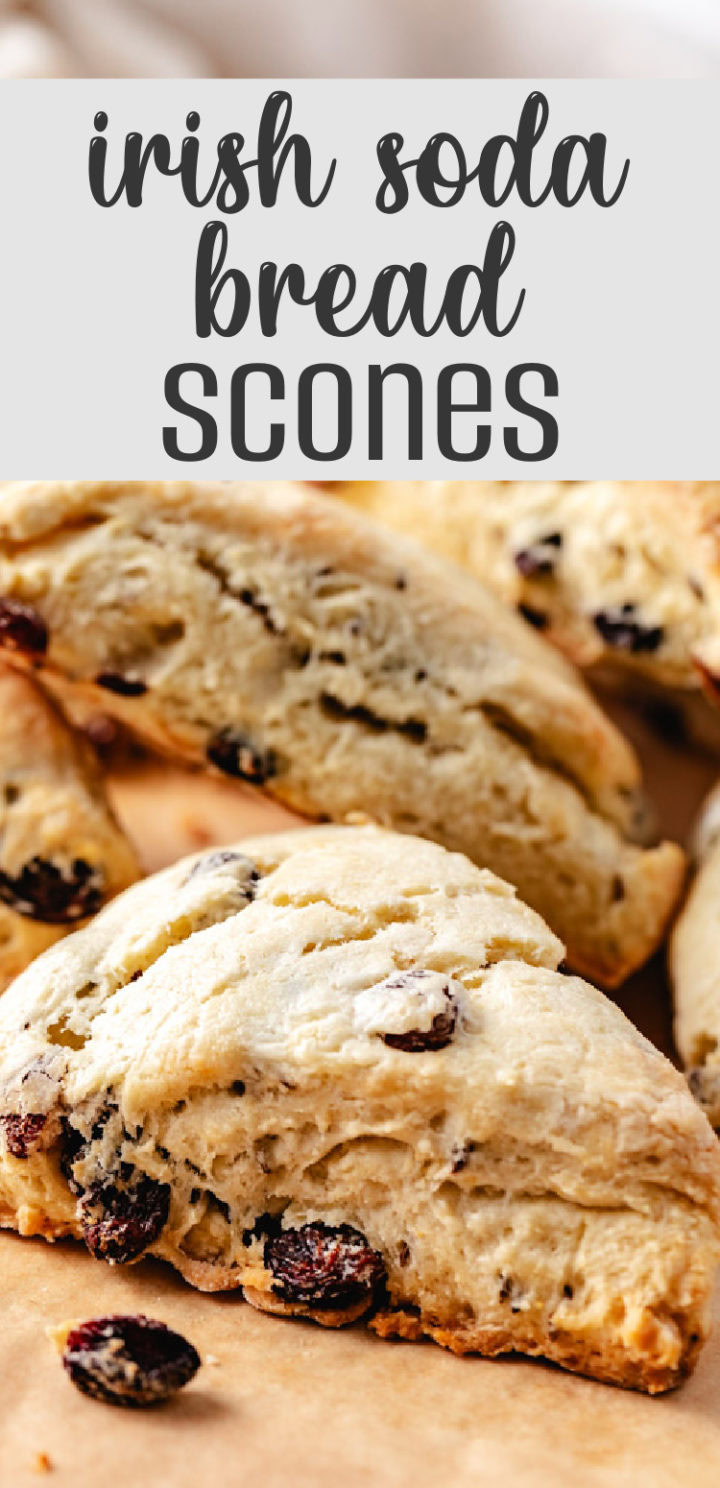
280,1402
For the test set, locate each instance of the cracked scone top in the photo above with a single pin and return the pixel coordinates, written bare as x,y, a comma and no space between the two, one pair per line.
283,639
336,1067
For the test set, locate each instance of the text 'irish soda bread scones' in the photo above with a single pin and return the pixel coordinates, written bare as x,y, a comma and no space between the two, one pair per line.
625,572
62,854
287,641
337,1068
695,968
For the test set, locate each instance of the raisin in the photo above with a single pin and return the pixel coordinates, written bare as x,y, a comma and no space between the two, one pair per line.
103,732
22,628
22,1133
537,618
220,859
539,559
419,1040
73,1146
323,1265
42,891
620,628
118,1224
131,1361
123,686
235,754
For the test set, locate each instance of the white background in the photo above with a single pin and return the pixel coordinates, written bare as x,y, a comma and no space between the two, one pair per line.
96,304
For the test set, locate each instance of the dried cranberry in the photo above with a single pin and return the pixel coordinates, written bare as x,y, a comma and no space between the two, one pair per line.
132,1361
123,686
118,1224
619,628
323,1265
42,891
235,754
539,559
22,1133
22,628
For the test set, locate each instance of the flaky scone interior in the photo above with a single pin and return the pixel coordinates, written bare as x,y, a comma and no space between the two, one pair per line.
337,1068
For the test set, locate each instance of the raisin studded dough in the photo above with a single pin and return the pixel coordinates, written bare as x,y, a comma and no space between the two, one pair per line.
62,854
695,967
620,573
290,642
336,1067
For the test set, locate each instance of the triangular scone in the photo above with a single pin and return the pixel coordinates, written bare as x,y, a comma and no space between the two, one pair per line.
62,853
626,573
279,637
336,1067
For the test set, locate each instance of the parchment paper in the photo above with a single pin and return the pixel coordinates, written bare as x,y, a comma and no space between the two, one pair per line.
286,1403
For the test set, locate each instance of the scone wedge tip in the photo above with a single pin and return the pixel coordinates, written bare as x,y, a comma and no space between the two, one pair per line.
281,638
337,1068
63,854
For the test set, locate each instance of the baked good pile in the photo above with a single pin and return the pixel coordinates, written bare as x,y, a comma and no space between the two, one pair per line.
349,1068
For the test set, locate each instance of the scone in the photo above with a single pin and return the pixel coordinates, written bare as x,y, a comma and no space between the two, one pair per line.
695,968
623,573
280,638
62,853
336,1067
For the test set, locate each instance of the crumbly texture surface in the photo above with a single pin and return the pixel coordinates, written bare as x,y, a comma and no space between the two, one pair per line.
281,638
694,957
62,853
620,573
337,1068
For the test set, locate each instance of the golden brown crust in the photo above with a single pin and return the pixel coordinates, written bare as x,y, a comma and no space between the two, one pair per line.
604,1361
